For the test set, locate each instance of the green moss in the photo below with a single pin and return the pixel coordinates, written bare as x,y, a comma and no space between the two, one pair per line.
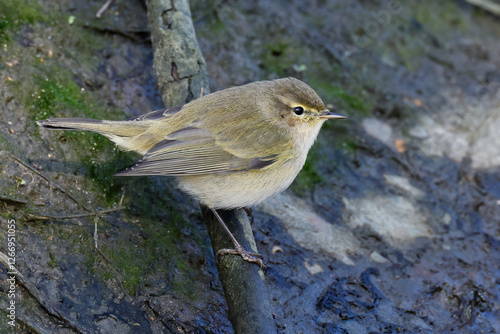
61,97
343,100
183,282
278,58
56,94
440,17
130,269
53,262
350,145
351,101
14,13
5,328
216,26
157,205
434,22
160,229
108,275
409,55
101,159
53,96
133,258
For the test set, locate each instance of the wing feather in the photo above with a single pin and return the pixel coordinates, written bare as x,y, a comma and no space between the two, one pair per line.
193,152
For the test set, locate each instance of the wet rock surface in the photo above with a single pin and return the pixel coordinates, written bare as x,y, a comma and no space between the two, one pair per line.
392,227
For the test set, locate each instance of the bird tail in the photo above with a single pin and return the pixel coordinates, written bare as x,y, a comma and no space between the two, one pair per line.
126,134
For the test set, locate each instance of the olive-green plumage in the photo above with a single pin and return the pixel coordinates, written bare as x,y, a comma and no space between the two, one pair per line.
233,148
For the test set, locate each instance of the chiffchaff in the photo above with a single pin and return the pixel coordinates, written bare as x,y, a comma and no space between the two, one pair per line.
230,149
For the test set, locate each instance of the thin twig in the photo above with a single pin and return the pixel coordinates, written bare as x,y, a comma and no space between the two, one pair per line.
96,218
57,186
103,8
14,201
81,215
96,245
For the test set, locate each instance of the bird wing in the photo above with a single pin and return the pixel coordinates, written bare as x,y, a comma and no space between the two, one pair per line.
158,114
195,151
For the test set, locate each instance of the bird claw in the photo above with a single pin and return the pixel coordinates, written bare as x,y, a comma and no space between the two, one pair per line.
246,256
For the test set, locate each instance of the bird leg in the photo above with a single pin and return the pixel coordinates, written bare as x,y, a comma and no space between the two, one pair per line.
238,249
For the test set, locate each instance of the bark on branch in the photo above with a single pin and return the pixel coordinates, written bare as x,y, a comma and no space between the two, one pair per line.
178,62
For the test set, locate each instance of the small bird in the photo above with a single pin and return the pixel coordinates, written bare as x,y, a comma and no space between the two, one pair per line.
230,149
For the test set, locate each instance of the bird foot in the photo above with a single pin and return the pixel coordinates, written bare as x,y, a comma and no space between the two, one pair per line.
246,256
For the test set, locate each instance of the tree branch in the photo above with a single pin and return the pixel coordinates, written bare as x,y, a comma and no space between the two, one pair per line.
182,76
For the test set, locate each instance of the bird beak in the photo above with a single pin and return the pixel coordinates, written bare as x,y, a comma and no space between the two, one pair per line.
327,114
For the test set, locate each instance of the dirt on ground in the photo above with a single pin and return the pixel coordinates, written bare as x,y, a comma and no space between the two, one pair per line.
392,226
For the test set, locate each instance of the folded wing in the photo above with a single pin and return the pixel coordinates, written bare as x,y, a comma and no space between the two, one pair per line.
194,151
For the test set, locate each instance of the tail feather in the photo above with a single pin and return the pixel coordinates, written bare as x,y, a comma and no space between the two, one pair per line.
118,128
67,123
126,134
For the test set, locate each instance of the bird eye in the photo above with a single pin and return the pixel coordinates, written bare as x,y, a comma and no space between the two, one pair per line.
298,110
